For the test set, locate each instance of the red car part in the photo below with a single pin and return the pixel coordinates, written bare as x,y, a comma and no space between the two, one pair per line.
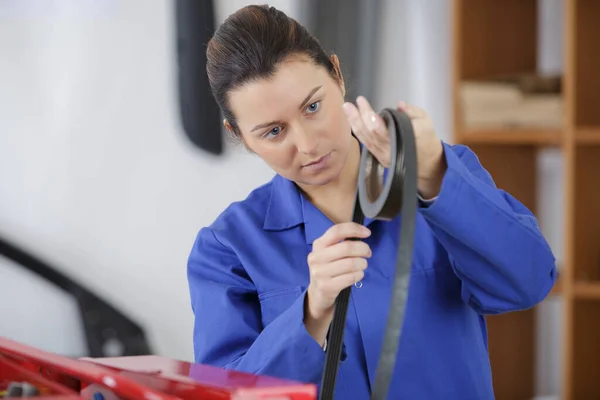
136,377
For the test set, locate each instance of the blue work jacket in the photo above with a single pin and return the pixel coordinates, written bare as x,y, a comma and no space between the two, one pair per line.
477,251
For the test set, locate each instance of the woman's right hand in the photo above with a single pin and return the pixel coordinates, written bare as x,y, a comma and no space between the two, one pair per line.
334,263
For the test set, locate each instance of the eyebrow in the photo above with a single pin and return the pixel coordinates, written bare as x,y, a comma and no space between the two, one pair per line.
306,100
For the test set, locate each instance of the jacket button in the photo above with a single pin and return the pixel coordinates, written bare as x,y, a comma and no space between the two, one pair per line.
358,285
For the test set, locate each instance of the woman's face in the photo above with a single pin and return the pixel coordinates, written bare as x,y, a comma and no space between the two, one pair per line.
295,122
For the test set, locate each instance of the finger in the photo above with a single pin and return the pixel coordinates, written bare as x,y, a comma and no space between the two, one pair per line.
356,121
412,111
339,267
361,130
339,232
373,121
341,282
362,133
341,250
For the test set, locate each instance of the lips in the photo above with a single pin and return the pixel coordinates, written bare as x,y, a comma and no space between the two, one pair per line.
317,161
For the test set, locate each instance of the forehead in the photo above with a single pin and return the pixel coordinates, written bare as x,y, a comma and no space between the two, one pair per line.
269,99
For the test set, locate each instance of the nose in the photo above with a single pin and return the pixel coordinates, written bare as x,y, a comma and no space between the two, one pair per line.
306,141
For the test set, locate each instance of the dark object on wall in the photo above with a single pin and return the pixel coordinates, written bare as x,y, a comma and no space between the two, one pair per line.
199,112
108,332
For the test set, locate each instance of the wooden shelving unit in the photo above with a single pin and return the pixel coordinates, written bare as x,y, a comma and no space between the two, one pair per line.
538,137
494,39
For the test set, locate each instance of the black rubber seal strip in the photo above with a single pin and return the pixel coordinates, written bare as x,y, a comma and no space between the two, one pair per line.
382,196
101,321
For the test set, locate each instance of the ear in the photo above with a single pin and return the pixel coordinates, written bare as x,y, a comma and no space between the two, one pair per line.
338,72
237,139
227,126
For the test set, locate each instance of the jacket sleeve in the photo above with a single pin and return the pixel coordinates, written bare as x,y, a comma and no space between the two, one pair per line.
493,241
228,329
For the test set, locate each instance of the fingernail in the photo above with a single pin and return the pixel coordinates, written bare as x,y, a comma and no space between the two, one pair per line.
367,231
346,108
373,121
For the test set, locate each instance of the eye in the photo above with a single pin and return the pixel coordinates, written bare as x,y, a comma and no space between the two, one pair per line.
314,107
273,133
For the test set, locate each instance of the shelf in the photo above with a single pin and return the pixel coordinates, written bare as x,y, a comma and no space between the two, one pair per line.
487,47
525,136
587,290
585,350
587,62
506,128
586,214
511,346
537,137
588,135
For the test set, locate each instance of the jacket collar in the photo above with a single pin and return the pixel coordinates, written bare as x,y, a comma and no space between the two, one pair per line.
284,210
289,208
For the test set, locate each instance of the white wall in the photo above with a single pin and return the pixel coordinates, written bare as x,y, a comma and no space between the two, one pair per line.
96,176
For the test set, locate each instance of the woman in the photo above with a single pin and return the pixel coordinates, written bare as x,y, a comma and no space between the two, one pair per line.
264,276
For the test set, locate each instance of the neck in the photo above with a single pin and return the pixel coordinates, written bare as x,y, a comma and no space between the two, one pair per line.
336,199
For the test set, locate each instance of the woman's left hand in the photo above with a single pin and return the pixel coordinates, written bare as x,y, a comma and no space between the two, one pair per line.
372,131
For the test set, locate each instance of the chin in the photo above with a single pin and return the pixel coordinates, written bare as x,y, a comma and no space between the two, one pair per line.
321,178
318,181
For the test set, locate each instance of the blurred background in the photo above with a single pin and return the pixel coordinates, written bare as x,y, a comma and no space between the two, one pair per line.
111,158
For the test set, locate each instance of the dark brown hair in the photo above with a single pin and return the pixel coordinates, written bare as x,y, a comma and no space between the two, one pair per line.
250,44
